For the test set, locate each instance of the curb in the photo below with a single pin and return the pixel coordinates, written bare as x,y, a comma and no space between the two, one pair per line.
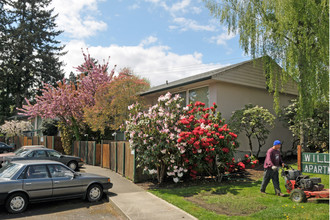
175,207
117,207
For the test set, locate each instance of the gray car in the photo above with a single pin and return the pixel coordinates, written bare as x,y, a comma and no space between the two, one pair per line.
47,154
23,182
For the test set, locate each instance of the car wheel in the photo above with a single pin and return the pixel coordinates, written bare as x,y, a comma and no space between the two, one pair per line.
16,203
297,195
73,165
94,193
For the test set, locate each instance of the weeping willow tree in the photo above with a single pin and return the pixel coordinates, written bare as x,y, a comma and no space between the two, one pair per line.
294,34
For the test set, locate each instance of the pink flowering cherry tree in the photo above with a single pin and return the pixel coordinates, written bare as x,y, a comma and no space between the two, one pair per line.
67,101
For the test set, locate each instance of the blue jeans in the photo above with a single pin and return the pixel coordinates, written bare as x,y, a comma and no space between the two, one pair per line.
270,174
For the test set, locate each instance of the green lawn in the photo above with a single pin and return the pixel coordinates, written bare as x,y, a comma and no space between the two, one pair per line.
242,200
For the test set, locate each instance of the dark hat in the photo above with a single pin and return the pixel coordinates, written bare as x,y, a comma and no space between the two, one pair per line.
277,142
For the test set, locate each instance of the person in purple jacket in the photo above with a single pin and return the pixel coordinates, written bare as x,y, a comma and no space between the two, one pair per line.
272,163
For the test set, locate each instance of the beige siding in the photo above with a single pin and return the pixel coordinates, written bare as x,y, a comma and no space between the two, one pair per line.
232,97
251,74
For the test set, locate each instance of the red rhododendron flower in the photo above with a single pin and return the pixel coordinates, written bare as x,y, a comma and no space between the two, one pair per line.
225,150
242,165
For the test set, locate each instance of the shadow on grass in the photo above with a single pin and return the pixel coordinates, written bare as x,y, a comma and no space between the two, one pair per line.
188,190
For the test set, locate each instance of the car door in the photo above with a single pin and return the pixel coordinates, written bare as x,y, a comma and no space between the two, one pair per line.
54,155
40,155
37,182
64,183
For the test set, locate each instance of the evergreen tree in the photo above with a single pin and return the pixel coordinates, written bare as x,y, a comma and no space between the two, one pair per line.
29,51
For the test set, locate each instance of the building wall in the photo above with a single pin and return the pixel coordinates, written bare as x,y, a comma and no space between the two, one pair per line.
231,97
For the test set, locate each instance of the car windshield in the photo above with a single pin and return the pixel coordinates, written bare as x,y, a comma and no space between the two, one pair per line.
9,170
54,153
20,150
23,153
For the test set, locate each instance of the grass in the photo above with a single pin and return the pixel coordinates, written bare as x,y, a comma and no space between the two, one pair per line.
242,200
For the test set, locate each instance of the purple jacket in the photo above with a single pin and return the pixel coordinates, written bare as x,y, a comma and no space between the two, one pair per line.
273,158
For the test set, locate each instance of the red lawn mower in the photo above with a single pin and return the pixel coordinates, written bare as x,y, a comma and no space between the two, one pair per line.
301,187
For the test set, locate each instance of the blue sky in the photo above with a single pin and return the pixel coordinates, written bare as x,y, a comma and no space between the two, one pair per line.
159,40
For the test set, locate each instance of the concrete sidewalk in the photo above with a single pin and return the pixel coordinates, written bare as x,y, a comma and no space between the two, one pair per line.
135,202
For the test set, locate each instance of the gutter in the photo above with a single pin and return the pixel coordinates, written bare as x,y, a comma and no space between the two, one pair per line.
177,85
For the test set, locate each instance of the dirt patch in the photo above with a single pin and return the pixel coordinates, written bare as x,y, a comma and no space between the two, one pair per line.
225,208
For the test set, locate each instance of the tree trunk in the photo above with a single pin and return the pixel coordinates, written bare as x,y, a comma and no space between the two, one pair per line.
250,144
302,138
161,173
75,129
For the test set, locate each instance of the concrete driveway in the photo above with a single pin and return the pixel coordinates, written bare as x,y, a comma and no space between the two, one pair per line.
67,210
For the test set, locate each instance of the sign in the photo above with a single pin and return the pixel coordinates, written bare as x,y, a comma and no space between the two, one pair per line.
315,163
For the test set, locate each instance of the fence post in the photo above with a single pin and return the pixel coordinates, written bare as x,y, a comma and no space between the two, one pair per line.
299,156
72,149
32,140
116,157
134,167
86,151
53,142
46,142
102,153
38,142
79,149
94,153
124,155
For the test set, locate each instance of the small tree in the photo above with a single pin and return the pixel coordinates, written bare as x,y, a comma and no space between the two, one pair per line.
317,126
111,101
255,121
15,128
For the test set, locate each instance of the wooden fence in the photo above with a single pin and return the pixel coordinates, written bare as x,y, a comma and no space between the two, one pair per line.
114,155
51,142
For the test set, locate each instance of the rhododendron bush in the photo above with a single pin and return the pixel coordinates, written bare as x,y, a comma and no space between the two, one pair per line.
208,142
154,133
175,141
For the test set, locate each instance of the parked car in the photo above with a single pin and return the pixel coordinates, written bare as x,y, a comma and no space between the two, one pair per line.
4,148
18,151
47,154
28,181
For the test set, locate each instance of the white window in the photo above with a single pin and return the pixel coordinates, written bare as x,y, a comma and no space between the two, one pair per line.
199,94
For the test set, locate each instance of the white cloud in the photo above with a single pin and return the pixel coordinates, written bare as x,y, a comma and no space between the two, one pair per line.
156,63
134,6
71,17
222,38
180,6
149,40
185,24
177,7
